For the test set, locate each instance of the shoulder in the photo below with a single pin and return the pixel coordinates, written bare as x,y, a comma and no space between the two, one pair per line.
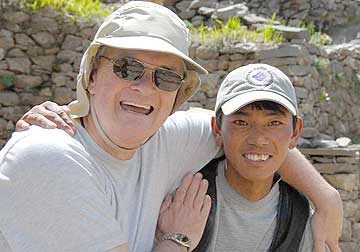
38,150
190,117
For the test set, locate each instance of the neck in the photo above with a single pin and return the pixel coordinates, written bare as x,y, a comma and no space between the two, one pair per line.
249,189
119,152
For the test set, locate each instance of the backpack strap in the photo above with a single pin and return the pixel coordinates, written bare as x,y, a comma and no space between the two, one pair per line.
293,213
209,173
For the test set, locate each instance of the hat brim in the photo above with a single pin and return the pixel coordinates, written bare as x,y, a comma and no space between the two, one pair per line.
244,99
150,44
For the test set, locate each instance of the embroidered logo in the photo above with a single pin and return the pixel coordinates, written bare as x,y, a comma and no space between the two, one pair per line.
260,77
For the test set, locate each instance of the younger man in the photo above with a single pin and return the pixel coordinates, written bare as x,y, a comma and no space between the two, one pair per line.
256,122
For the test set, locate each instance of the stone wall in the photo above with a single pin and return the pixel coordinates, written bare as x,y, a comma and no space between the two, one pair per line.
341,168
40,55
323,13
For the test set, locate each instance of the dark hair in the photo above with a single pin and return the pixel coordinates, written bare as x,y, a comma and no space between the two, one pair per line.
258,105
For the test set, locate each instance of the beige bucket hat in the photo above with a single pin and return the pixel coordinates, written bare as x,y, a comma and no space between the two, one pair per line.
140,25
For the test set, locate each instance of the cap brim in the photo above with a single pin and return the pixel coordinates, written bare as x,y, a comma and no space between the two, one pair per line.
244,99
150,44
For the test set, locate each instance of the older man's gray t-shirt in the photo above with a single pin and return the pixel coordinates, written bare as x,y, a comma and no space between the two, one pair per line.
242,225
60,193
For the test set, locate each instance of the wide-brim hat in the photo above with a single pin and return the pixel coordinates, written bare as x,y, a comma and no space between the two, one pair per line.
144,26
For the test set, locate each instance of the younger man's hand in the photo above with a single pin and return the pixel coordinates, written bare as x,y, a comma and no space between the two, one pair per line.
47,115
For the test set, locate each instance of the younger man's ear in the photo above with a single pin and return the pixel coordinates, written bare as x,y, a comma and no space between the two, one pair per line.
297,133
216,131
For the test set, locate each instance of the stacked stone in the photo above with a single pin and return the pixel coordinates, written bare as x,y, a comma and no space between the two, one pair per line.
323,13
326,80
40,54
341,168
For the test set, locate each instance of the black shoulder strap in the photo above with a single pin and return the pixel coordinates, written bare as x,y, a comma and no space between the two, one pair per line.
209,172
293,213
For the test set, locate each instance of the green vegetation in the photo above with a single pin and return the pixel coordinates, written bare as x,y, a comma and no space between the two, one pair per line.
7,80
232,31
324,96
356,80
317,37
82,8
319,64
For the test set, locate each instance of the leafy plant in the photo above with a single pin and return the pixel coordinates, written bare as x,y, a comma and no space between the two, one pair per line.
324,96
319,63
7,80
270,34
232,31
84,8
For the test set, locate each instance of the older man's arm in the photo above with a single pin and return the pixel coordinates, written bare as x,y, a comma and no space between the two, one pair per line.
327,220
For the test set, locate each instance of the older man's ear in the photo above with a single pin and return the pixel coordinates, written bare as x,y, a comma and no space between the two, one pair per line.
216,131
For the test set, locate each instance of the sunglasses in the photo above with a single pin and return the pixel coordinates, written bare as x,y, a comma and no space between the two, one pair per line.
131,69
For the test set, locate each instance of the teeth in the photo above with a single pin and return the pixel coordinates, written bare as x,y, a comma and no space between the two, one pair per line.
257,157
137,105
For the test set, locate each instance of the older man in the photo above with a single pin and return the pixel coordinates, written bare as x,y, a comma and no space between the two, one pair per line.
102,189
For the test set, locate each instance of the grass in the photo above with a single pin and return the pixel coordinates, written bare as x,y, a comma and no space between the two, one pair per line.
317,37
232,31
82,8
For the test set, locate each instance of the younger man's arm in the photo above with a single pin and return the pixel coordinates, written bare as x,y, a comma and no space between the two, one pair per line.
327,220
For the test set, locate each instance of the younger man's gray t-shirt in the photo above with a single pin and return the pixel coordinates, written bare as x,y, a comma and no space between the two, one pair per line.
242,225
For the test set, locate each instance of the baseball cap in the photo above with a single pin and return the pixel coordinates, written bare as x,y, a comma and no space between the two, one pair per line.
255,82
146,26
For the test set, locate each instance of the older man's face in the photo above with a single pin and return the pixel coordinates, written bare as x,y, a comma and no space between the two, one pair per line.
131,111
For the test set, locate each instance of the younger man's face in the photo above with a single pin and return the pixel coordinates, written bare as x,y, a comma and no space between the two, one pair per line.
256,140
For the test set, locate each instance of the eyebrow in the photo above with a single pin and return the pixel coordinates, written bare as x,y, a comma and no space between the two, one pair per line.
267,111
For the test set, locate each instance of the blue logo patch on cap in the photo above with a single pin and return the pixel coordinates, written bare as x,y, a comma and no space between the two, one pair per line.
260,77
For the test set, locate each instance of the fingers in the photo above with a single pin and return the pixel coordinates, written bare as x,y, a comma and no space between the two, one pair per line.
193,189
21,125
332,247
166,203
182,189
205,210
201,194
47,115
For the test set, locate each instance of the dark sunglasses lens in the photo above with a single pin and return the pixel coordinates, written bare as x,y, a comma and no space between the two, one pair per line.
128,69
166,80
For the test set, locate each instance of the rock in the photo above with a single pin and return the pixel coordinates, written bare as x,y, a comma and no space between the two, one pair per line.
343,141
2,53
348,182
309,132
349,246
205,11
27,81
286,51
45,62
210,84
16,17
63,95
15,53
237,10
6,42
303,143
67,56
333,168
19,65
45,39
8,98
183,5
196,4
346,231
43,24
301,92
356,231
293,32
350,209
23,40
320,143
207,52
72,43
